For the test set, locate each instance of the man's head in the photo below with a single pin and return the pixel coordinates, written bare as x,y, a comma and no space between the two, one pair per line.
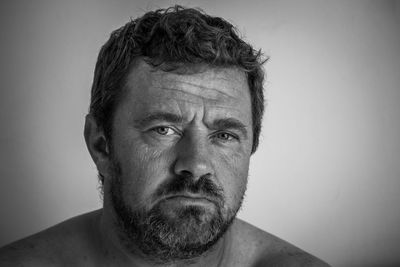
175,114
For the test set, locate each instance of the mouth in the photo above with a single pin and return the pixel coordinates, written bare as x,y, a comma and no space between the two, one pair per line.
190,199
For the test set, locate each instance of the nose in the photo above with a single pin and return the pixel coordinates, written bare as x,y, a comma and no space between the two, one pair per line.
193,158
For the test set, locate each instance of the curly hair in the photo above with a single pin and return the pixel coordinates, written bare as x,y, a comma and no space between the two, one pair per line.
169,38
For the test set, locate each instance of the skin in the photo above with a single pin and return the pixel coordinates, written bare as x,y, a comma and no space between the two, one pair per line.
150,153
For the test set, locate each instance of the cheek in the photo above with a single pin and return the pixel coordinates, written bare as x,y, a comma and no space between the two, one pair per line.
143,169
232,172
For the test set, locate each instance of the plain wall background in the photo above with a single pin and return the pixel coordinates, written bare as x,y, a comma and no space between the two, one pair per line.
327,174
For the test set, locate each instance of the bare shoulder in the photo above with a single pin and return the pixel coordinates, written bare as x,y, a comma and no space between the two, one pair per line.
53,246
259,248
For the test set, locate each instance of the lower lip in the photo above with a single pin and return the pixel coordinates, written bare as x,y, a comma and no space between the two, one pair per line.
190,200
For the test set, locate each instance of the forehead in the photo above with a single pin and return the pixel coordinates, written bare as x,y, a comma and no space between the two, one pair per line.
211,88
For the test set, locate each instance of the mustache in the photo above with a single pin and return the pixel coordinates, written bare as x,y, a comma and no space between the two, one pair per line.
180,184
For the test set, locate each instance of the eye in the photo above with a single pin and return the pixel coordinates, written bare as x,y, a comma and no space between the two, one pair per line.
164,130
224,136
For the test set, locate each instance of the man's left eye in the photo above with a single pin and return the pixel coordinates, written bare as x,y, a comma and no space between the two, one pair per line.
224,136
163,130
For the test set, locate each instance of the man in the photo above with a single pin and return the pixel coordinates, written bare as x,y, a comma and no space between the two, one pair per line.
175,115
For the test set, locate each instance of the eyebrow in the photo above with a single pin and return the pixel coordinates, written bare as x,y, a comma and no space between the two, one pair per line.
158,116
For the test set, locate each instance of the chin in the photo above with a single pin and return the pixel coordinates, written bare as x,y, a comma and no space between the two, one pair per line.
168,233
187,234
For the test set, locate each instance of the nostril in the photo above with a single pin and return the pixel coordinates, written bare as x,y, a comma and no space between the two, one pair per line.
186,174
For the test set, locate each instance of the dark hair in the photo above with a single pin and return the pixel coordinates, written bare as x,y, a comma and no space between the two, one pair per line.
167,38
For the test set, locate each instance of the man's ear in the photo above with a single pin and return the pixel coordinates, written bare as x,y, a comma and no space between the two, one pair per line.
97,144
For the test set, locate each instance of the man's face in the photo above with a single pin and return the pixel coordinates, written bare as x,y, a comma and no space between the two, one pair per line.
181,146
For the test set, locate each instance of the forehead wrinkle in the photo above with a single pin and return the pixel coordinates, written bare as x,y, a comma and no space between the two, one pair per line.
177,101
205,88
228,107
195,95
214,104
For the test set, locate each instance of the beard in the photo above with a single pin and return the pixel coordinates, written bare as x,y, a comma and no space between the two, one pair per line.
164,234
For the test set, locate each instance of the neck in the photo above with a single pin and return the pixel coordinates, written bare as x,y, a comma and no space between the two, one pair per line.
118,254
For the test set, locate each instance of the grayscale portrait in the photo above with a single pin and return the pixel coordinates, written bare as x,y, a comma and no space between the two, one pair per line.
200,133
